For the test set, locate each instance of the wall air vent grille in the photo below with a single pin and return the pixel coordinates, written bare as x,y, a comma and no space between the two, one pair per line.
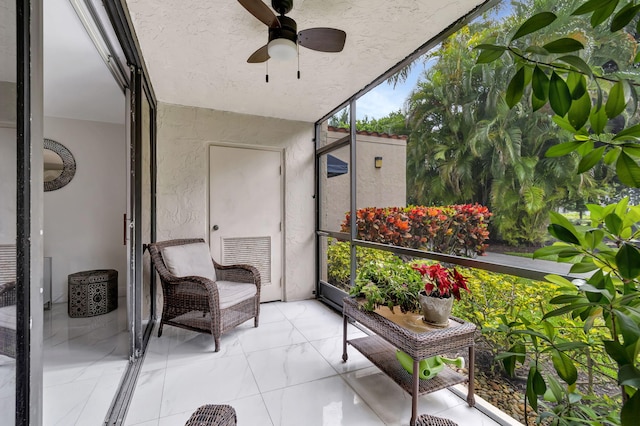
7,263
254,251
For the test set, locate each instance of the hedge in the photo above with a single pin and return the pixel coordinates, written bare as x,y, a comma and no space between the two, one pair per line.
456,229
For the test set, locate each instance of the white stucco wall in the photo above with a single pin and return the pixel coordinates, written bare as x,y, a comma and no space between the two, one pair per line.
383,187
184,136
83,221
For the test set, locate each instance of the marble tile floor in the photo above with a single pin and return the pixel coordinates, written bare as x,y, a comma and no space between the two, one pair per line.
288,371
83,362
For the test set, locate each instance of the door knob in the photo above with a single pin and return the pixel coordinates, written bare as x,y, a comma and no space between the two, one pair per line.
215,228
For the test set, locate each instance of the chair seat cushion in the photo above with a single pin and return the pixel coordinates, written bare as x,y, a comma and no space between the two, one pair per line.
8,317
189,260
231,293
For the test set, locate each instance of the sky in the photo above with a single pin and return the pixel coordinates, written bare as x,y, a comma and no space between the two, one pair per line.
385,99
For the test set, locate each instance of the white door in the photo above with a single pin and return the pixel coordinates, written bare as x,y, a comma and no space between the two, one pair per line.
245,212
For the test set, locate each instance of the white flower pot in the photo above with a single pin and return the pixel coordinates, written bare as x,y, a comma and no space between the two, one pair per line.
436,310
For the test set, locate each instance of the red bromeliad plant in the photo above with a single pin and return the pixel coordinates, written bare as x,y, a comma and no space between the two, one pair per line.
442,282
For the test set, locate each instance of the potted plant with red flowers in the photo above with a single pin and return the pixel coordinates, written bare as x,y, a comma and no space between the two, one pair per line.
441,286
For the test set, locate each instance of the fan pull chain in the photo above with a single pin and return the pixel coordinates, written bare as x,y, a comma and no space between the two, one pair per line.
298,47
267,74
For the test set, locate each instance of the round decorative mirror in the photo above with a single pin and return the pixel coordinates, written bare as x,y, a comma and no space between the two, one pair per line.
59,165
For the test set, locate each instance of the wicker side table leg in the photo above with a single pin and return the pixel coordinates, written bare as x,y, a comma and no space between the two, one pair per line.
344,338
471,400
416,390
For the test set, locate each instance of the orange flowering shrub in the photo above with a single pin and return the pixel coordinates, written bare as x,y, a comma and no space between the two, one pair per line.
456,229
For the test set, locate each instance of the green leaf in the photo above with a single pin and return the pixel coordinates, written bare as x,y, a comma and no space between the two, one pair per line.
563,310
624,16
593,237
590,6
628,133
628,261
616,102
563,149
570,346
559,95
631,411
579,111
630,331
563,234
577,84
611,156
559,281
598,120
566,298
614,223
540,83
536,103
631,149
628,171
563,45
530,392
564,367
577,62
617,352
585,148
515,89
629,375
539,386
637,58
601,14
534,23
591,159
582,267
490,53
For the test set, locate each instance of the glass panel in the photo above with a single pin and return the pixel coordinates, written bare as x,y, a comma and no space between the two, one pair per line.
334,182
334,262
8,184
146,208
338,122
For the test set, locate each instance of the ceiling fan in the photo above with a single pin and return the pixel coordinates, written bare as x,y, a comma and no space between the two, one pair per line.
284,36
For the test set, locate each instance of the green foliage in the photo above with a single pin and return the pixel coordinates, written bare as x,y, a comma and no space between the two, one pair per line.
393,124
339,261
580,93
389,283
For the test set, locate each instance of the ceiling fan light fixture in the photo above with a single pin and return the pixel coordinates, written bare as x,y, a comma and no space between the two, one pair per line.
282,49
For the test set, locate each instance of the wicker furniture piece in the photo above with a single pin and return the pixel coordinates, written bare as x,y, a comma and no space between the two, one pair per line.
8,319
92,293
194,303
427,420
213,415
408,333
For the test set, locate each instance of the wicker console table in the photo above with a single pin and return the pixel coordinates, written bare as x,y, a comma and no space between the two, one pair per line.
408,333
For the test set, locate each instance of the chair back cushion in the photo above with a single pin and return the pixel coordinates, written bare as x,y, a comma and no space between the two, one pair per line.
189,260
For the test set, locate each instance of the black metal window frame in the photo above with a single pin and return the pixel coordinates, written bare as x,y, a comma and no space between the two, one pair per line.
326,291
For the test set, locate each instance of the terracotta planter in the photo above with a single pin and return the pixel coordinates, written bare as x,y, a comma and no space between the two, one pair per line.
436,310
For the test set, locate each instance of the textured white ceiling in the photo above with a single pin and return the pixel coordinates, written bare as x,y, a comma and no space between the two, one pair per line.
196,51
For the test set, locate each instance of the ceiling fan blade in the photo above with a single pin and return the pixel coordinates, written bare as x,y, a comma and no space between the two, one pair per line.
261,11
322,39
260,55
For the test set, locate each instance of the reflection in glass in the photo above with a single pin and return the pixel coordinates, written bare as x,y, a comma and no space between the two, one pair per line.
334,184
8,185
52,165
